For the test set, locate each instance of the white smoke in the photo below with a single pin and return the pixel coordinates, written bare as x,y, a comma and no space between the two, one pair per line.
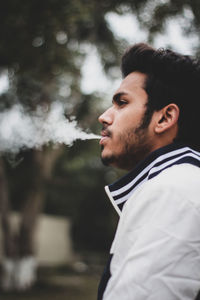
21,130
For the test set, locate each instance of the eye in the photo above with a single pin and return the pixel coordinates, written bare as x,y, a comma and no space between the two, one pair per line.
121,102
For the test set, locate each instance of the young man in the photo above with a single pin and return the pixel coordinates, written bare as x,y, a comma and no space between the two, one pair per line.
152,130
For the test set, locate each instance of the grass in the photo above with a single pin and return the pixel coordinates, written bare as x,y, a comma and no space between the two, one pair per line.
60,286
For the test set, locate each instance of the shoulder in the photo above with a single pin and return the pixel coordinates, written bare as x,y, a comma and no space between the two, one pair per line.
183,180
178,182
181,176
175,192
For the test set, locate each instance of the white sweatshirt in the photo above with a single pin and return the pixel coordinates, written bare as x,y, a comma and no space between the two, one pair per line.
156,250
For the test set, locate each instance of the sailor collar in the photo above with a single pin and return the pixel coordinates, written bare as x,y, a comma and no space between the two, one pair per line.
121,190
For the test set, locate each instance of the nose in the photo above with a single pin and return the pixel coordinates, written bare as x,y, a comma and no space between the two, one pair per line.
106,117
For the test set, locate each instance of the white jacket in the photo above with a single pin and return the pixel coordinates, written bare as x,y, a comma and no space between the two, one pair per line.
156,250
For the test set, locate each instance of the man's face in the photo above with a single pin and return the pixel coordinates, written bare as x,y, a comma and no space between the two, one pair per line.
124,140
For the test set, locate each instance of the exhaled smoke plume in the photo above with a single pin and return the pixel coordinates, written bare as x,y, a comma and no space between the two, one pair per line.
20,130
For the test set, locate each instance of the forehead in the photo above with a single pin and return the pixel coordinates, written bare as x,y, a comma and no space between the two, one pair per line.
133,82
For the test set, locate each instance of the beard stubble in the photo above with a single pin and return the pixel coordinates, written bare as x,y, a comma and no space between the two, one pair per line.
136,145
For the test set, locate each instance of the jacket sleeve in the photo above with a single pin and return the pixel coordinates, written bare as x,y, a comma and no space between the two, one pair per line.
156,251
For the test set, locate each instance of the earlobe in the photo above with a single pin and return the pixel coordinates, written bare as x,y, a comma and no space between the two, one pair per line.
167,118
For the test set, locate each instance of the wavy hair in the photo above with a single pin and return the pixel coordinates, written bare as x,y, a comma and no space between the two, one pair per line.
171,78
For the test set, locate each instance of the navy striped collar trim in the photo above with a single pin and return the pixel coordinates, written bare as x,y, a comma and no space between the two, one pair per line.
121,190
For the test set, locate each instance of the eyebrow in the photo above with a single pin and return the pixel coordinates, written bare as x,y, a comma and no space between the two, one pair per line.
117,96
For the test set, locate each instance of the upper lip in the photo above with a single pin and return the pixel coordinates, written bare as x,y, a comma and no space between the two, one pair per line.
104,133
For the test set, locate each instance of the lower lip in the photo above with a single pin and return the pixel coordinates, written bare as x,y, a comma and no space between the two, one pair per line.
103,140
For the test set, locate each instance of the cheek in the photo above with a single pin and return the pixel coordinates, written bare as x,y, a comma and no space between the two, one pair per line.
122,127
129,117
124,140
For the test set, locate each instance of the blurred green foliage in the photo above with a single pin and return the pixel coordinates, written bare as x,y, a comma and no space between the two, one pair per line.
42,47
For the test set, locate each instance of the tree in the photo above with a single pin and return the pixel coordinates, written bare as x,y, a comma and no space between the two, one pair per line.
154,16
41,47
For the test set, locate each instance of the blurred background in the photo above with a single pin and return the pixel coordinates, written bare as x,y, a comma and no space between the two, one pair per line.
57,224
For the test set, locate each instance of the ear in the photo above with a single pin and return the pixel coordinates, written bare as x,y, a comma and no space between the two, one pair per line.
167,118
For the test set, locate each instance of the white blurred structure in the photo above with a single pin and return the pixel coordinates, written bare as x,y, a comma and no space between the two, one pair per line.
53,247
53,241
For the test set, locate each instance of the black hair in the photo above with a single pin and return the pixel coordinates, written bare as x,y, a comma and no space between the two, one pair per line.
171,78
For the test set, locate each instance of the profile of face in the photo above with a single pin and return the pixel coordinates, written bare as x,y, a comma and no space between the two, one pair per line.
125,140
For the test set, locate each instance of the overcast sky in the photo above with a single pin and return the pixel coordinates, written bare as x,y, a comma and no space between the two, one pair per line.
125,26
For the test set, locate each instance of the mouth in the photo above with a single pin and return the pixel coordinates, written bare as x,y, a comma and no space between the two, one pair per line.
105,135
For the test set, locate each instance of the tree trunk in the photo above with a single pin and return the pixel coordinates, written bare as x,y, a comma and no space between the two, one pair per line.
8,237
20,265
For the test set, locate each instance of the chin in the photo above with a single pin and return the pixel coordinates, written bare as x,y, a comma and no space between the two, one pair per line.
108,160
123,161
